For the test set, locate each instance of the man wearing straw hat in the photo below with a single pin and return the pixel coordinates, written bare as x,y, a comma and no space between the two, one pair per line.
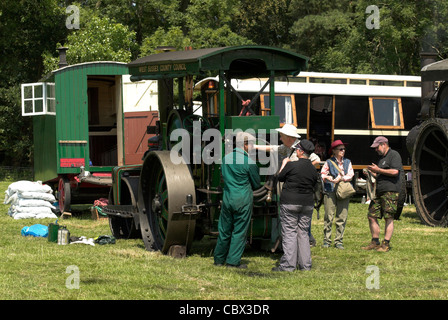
288,136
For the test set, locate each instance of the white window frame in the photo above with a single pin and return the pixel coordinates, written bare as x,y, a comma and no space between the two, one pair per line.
45,99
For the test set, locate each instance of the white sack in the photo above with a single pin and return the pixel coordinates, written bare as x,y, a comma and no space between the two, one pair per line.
28,186
38,195
33,203
36,210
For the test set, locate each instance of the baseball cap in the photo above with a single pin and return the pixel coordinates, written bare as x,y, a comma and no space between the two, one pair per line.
379,140
305,145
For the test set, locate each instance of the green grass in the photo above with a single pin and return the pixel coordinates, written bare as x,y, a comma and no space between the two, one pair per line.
33,268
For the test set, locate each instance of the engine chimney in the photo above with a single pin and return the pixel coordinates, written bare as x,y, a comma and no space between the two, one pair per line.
62,57
427,57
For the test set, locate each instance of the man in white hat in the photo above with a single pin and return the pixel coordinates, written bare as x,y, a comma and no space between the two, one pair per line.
289,136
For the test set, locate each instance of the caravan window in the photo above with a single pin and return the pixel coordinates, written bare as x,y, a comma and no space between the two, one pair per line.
38,99
386,113
284,107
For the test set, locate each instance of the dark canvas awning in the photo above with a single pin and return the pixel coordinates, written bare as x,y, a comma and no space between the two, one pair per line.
436,71
238,61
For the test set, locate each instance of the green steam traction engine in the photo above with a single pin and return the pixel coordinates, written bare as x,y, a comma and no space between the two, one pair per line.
169,205
428,145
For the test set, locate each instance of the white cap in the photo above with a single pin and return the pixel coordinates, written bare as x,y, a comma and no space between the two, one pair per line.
289,130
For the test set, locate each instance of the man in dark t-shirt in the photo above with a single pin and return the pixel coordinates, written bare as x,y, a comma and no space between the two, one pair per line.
387,174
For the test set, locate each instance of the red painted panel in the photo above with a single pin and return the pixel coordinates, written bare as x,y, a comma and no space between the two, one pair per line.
72,162
135,136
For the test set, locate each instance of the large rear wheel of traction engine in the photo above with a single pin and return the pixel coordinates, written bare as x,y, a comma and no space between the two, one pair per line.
430,172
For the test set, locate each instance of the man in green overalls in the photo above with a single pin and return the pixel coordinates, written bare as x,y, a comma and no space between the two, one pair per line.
241,176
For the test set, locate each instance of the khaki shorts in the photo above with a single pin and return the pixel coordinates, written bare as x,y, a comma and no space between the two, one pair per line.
384,205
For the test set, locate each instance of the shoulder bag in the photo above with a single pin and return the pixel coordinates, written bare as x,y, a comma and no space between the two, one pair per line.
343,189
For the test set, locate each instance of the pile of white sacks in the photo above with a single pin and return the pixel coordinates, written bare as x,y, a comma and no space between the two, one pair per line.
30,200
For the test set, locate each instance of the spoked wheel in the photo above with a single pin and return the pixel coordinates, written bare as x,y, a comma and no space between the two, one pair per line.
188,123
164,188
430,172
175,121
125,228
64,194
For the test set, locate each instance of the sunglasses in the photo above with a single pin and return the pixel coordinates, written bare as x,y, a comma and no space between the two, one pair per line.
340,149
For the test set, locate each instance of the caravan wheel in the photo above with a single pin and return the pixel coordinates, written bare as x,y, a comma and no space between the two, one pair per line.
64,194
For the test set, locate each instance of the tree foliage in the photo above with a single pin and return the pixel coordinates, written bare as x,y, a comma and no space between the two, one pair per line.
102,39
339,40
265,22
99,38
27,28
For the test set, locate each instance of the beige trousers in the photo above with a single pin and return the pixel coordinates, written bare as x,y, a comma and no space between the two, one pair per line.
336,210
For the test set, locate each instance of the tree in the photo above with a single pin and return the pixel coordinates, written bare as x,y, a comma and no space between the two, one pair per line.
101,39
435,31
321,37
208,23
144,17
332,33
394,47
336,37
264,22
27,28
200,24
173,37
98,39
16,132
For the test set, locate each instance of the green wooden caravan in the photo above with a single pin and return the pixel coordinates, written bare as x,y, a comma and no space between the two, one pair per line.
87,119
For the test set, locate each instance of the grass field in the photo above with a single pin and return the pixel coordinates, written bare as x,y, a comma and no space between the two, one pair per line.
33,268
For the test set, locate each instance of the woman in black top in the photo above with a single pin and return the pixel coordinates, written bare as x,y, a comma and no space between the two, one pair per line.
296,208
